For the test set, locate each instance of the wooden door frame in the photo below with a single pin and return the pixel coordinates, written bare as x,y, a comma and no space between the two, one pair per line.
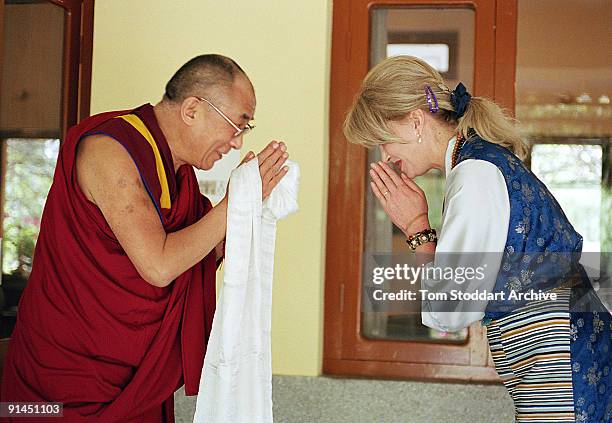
78,49
2,148
345,351
76,74
77,62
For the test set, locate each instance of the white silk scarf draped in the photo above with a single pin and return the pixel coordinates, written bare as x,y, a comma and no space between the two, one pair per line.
236,381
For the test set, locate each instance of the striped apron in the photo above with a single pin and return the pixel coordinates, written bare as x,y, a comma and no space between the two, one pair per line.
531,351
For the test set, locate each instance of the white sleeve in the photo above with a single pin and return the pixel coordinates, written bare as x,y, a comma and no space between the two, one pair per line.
475,220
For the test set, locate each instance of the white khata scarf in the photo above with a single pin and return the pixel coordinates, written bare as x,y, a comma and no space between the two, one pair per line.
236,381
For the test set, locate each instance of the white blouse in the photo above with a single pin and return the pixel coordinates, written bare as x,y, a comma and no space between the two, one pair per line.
475,220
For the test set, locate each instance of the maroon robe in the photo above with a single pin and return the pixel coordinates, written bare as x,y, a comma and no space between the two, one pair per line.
91,332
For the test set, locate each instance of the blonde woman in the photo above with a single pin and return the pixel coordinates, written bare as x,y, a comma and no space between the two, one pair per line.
553,358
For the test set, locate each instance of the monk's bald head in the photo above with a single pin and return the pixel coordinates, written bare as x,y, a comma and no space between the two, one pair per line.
203,74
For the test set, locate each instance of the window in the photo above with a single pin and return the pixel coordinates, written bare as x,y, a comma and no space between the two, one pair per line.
394,344
438,48
29,172
437,55
563,103
573,171
45,68
389,29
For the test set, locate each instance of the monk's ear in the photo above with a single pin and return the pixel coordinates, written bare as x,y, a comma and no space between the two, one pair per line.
189,110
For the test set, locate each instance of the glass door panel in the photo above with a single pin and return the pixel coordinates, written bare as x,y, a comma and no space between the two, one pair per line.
445,39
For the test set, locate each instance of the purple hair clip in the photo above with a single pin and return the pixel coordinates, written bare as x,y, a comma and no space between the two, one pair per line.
431,99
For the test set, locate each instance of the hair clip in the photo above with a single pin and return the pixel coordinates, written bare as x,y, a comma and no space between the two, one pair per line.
431,99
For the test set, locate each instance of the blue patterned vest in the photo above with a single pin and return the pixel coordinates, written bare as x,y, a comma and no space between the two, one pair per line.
542,247
541,253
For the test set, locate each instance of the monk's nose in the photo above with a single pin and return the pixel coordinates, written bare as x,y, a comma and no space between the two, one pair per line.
237,142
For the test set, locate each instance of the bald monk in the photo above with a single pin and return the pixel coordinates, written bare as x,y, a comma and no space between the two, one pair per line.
120,301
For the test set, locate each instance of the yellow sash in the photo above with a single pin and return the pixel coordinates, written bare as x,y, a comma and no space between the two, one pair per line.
139,125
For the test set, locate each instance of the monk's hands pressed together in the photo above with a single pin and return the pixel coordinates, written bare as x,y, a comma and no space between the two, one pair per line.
401,198
271,161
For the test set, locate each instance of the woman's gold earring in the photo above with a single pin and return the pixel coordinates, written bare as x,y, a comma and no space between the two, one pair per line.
420,140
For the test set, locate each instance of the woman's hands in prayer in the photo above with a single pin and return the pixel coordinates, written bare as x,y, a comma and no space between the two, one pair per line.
271,161
401,198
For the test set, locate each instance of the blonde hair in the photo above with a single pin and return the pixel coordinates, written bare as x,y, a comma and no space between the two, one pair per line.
396,86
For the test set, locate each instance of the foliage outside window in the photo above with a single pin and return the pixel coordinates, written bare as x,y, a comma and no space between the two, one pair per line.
30,164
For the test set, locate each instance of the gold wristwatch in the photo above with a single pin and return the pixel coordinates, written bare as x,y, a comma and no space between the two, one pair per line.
420,238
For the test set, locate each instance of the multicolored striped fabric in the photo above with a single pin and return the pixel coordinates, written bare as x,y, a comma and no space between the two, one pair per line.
531,351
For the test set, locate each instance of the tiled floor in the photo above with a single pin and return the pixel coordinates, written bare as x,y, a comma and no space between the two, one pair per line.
329,400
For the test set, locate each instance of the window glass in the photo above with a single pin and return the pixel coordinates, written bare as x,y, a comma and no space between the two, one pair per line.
445,39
